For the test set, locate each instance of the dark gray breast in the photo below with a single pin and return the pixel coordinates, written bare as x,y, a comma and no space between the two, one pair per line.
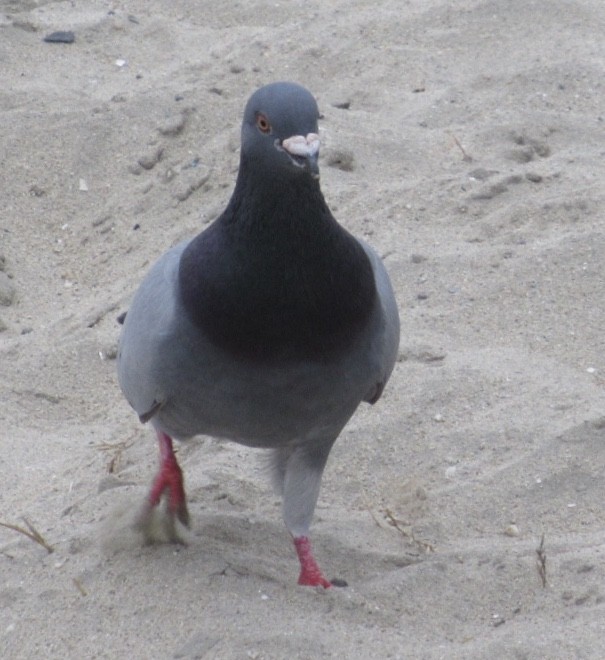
288,284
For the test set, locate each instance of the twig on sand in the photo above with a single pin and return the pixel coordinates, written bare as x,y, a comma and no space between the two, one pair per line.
405,530
541,562
31,532
117,448
79,587
465,156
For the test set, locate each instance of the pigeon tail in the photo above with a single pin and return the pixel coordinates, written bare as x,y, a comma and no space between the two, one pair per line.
310,573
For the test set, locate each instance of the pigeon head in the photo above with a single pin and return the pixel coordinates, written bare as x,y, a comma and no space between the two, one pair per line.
275,277
279,132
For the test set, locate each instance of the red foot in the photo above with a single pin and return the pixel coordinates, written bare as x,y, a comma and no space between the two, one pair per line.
169,478
310,573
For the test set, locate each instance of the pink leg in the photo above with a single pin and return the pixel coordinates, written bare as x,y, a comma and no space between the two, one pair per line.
310,573
169,480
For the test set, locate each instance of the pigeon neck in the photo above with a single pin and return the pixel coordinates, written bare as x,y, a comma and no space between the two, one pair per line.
276,277
289,206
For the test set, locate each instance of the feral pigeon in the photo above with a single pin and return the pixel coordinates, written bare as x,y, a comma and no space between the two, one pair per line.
269,328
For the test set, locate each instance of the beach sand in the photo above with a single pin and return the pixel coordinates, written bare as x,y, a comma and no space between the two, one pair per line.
464,139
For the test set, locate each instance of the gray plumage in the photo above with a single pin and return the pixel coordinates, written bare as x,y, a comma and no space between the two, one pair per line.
272,325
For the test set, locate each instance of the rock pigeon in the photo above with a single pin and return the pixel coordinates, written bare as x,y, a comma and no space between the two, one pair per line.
269,328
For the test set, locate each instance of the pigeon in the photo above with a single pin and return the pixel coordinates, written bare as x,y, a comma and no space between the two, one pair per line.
268,329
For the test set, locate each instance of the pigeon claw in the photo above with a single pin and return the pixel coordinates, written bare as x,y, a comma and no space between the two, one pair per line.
310,573
169,483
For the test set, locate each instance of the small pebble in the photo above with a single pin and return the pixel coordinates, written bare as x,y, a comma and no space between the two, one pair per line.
533,177
151,159
174,125
60,37
339,582
481,174
342,105
512,530
36,191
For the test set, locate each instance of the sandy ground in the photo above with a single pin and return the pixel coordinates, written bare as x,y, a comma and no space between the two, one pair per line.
465,140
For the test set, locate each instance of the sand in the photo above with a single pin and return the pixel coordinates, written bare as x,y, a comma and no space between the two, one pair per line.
465,140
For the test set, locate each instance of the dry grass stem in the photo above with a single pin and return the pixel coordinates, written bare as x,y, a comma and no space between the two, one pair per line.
388,520
117,448
465,156
31,532
407,532
541,562
79,587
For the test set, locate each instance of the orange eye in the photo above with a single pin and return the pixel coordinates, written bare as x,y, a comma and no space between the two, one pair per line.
263,123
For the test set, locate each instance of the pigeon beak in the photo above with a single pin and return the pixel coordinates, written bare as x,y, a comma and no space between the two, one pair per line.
312,165
304,152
